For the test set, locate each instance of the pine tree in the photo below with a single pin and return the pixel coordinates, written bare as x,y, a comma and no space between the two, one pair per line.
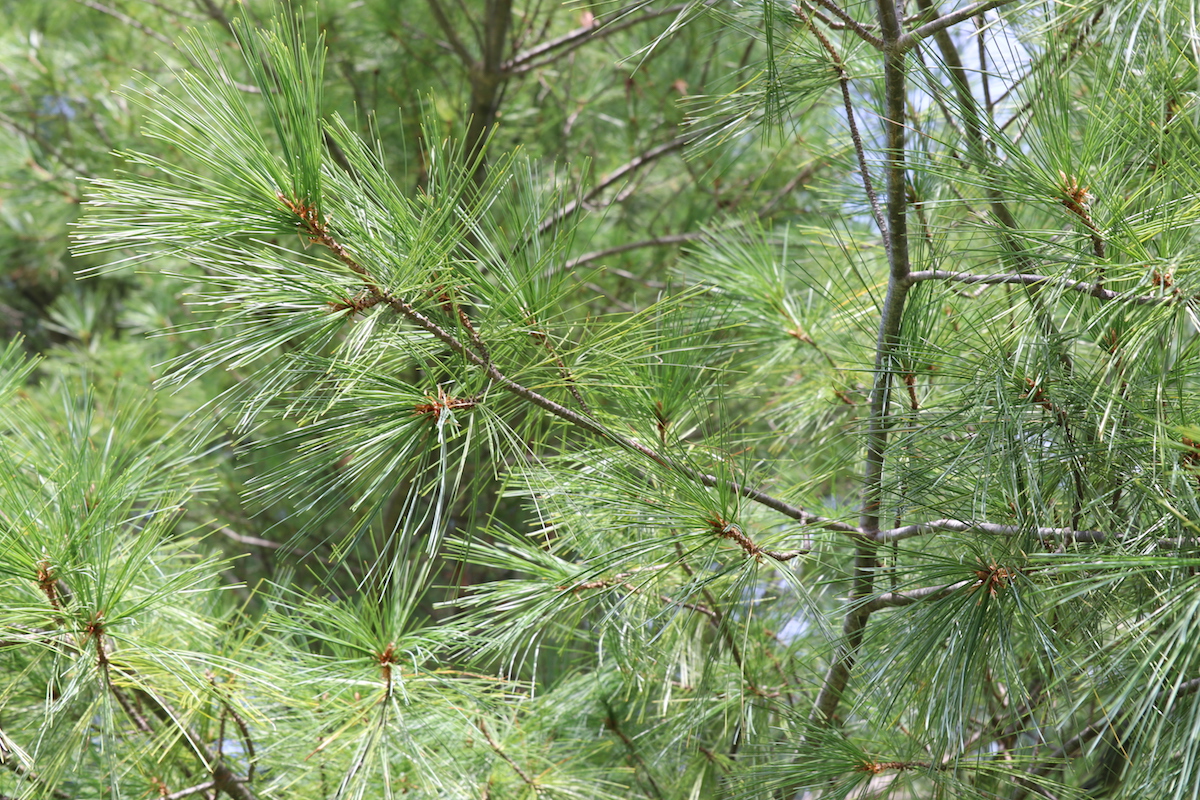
892,496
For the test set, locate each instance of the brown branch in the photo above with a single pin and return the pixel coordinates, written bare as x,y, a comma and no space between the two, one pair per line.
912,38
568,42
1095,290
529,781
848,104
729,530
1068,535
318,232
852,24
634,164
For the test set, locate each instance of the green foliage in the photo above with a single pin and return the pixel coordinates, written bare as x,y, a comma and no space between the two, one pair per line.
667,402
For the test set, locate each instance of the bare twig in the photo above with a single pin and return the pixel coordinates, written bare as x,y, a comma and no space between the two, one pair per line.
852,24
451,33
216,13
1024,279
224,779
32,135
524,776
610,722
191,790
912,38
657,241
127,20
848,104
556,48
898,599
628,168
1045,534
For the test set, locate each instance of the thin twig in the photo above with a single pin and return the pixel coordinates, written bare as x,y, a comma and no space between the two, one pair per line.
1025,279
610,722
33,135
548,52
962,526
456,44
217,13
899,599
848,104
529,781
629,167
852,24
197,789
911,39
224,779
657,241
127,20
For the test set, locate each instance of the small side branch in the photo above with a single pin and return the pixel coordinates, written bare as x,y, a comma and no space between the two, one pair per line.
547,52
191,790
319,233
128,20
851,23
848,104
1058,535
456,44
899,599
629,167
1095,290
657,241
912,38
521,773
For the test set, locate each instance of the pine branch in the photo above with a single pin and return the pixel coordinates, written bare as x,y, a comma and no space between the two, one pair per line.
896,240
191,790
907,598
1059,535
848,105
913,38
633,165
224,779
317,231
451,34
852,24
125,19
1095,290
657,241
548,52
